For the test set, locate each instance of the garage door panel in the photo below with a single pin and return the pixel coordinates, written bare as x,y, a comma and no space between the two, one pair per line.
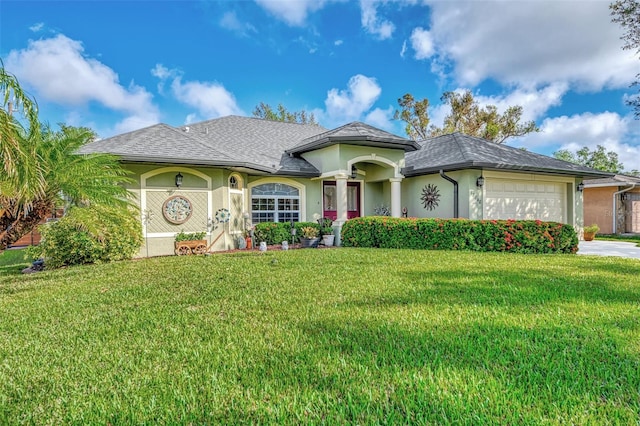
524,200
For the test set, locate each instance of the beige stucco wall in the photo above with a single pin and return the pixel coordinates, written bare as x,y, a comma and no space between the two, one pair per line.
598,208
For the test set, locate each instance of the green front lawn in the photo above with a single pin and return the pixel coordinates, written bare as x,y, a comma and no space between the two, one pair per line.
324,336
12,262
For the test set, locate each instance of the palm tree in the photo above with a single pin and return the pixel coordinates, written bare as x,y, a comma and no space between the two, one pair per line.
40,167
68,178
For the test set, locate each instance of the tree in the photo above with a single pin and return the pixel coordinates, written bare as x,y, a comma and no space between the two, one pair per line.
78,180
416,116
266,112
627,14
468,117
465,116
599,158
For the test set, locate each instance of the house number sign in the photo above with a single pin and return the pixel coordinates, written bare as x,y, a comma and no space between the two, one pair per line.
177,209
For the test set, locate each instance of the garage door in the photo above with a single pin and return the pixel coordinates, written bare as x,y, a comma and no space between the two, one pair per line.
524,200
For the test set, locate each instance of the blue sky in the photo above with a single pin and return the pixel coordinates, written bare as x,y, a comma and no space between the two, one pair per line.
121,65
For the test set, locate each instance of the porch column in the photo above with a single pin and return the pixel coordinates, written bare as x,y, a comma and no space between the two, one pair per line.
396,199
341,195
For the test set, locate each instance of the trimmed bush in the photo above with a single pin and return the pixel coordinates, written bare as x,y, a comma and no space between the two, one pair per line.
90,235
514,236
277,232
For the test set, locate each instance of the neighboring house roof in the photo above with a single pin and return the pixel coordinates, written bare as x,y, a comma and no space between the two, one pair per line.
457,151
355,133
617,180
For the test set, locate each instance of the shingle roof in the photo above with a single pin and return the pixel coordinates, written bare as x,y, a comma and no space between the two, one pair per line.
355,133
256,141
228,141
158,143
457,151
617,180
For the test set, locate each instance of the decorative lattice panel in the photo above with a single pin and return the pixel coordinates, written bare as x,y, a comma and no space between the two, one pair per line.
196,223
236,224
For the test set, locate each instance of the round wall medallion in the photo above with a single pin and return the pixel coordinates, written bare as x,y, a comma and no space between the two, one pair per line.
177,209
430,197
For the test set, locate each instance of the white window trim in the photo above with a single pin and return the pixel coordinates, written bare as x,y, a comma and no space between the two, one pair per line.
300,187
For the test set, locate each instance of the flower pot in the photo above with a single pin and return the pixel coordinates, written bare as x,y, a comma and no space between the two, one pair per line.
589,236
327,240
309,242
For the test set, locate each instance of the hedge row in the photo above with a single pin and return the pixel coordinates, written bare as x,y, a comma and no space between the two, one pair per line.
514,236
277,232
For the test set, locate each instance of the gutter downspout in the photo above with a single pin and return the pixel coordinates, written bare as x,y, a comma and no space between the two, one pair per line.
455,193
615,210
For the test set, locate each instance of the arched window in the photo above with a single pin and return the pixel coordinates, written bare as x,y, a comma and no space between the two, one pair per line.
275,202
235,182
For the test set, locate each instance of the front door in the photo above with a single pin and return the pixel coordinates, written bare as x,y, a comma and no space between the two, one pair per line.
330,200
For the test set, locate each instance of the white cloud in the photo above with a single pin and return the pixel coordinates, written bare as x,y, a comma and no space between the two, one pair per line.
422,43
338,42
58,71
531,43
373,24
607,129
37,27
404,49
210,98
349,105
230,21
294,13
534,103
381,118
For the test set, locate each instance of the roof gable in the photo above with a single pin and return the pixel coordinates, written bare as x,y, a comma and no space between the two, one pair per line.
355,133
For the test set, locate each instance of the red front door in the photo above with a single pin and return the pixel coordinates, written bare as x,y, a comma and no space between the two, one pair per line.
330,200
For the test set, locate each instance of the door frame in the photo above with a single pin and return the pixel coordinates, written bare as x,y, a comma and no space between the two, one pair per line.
333,214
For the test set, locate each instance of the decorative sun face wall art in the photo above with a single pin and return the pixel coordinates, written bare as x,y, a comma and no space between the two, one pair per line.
430,196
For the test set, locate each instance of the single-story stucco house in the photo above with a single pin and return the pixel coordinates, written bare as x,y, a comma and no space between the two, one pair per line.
262,170
619,194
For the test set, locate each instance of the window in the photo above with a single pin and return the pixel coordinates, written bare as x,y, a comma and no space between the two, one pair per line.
235,182
275,202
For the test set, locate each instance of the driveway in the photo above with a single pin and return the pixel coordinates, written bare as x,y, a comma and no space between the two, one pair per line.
609,248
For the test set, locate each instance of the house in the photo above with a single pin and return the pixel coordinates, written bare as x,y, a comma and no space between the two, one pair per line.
260,170
619,194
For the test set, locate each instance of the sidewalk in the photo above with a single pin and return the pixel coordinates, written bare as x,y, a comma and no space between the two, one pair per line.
609,248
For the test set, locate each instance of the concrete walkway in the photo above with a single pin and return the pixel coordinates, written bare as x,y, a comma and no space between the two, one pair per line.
609,248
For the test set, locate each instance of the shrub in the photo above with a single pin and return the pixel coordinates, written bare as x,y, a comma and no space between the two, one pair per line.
277,232
182,236
524,236
90,235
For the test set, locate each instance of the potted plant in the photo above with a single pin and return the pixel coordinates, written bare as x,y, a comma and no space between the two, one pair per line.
188,243
309,237
590,232
327,231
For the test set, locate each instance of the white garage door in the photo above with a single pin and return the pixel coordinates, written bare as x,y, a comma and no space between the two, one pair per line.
524,200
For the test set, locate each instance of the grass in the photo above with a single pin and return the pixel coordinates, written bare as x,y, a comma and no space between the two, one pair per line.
617,237
324,336
12,261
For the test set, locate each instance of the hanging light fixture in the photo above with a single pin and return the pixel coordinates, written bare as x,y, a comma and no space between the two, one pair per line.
480,181
580,187
179,180
354,171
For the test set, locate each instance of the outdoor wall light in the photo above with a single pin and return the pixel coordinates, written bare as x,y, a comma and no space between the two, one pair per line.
179,180
480,181
580,187
354,171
